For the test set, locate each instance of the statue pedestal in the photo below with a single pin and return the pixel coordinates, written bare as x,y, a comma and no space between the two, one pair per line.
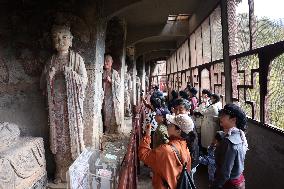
22,164
95,169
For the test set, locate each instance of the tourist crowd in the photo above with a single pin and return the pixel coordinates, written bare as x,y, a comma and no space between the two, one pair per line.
186,131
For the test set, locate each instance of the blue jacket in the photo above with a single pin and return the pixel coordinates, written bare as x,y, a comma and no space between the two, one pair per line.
230,156
209,160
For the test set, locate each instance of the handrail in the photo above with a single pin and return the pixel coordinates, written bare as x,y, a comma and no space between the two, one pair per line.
130,165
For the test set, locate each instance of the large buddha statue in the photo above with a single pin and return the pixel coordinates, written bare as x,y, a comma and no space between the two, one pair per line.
65,78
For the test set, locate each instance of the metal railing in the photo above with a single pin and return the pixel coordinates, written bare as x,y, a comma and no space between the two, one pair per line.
130,166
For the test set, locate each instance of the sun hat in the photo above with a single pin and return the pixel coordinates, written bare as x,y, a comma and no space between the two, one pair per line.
183,121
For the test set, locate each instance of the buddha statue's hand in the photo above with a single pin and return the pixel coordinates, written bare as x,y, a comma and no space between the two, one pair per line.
52,73
67,69
108,79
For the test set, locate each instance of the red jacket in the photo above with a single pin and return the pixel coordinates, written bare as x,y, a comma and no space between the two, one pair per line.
163,161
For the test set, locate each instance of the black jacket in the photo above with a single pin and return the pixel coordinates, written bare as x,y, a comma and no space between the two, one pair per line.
194,148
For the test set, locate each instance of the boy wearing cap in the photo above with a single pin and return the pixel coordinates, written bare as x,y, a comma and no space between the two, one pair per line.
161,134
230,153
163,160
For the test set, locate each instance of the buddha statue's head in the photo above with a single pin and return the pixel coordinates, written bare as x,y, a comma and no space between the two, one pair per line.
62,38
108,62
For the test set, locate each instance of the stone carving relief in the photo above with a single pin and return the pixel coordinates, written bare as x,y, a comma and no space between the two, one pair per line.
65,79
31,61
9,134
22,160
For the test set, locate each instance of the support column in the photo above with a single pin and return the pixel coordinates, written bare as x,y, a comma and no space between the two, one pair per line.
226,51
122,72
116,46
94,92
143,87
134,81
139,73
149,75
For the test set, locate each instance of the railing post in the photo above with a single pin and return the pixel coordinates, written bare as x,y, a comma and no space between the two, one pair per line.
226,51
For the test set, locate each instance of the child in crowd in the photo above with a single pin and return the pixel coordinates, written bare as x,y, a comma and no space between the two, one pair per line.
157,100
181,106
174,95
209,159
161,134
231,151
184,95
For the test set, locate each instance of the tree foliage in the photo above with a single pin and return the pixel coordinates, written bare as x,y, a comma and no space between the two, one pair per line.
266,32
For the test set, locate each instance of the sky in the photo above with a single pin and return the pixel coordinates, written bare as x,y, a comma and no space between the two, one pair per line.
273,9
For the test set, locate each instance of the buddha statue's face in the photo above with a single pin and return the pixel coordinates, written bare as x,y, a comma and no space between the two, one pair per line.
108,62
62,40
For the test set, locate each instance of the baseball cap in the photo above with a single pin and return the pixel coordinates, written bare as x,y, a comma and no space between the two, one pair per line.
183,121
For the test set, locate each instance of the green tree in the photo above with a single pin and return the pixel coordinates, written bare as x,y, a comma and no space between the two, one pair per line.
267,32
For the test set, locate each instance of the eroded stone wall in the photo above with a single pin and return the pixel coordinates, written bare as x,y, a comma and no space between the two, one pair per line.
25,46
23,51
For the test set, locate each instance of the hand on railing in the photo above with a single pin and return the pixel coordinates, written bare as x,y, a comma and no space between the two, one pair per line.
148,129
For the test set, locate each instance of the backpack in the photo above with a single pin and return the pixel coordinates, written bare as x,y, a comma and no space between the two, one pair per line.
194,148
184,181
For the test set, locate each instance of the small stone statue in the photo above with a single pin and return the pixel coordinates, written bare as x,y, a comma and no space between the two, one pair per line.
65,76
112,98
127,92
138,89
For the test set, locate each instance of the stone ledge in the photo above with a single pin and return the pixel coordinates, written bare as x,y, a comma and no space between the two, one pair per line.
51,185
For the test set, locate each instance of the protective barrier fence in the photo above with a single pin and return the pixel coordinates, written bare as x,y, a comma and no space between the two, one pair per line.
130,166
